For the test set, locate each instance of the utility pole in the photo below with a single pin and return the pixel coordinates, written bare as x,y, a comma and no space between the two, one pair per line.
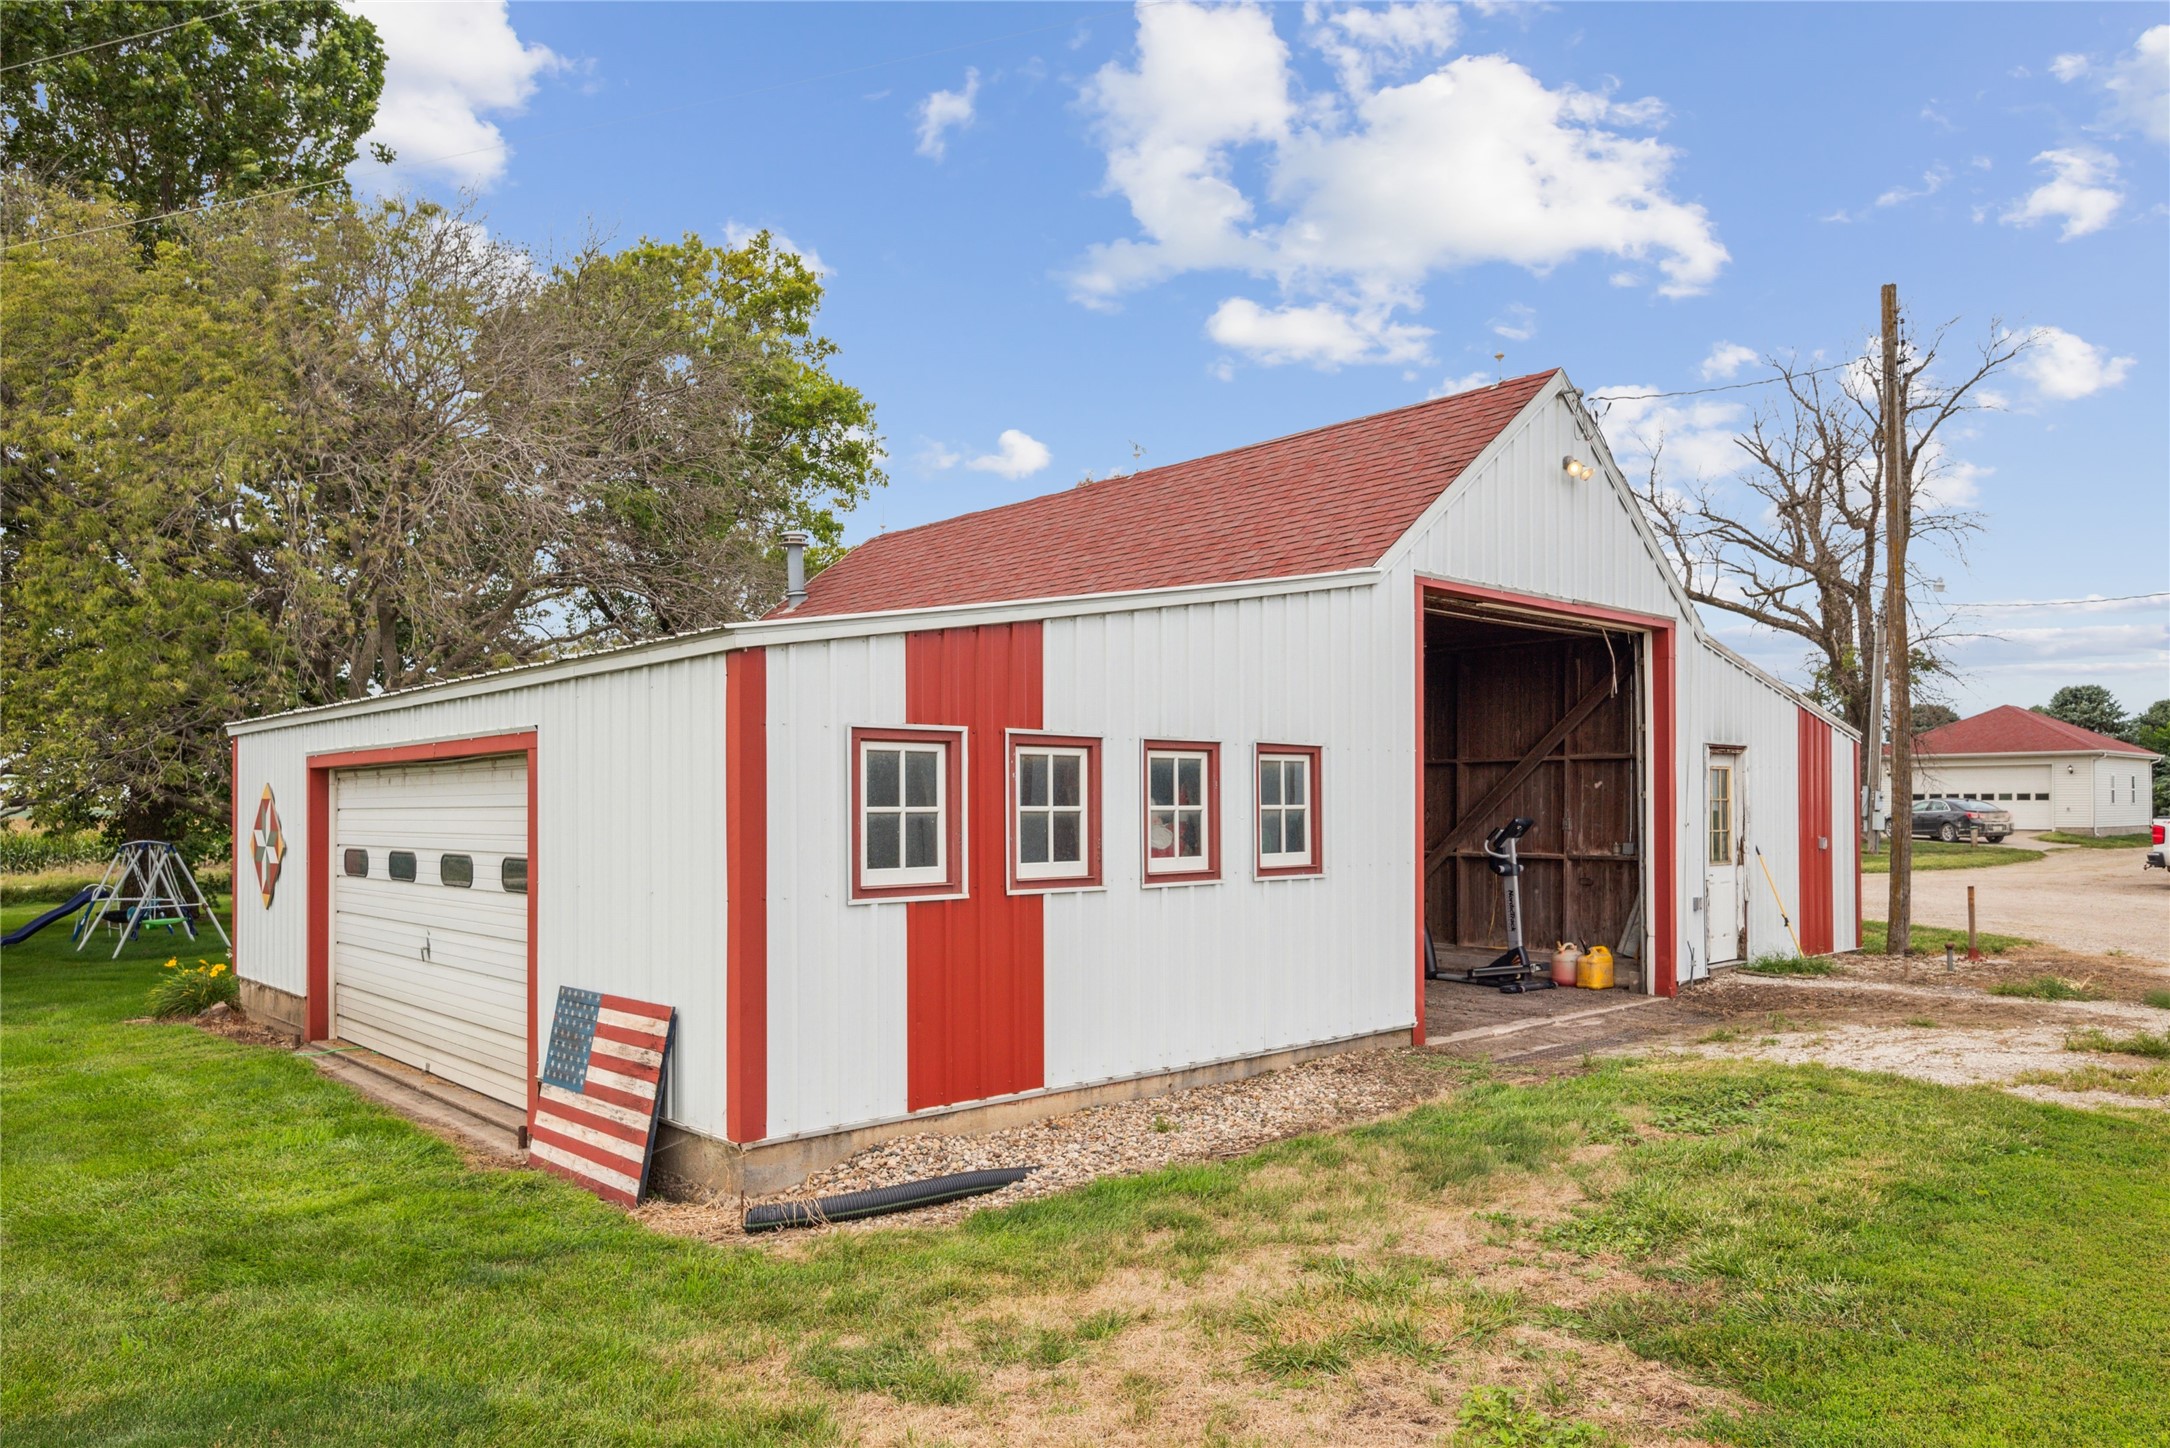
1898,652
1872,742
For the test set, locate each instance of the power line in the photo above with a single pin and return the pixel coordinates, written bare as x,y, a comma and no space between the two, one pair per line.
502,145
139,35
2061,602
1722,387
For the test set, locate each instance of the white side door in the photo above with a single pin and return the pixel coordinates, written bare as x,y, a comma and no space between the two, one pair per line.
1723,909
429,919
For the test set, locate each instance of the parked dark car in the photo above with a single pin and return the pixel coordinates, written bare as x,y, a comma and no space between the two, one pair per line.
1953,819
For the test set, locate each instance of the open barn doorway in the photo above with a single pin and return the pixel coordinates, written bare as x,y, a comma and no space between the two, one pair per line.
1532,716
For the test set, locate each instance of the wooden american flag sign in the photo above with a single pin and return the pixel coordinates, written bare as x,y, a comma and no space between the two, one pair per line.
602,1092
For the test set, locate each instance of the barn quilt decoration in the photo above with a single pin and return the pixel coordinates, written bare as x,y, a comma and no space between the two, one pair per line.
602,1092
267,845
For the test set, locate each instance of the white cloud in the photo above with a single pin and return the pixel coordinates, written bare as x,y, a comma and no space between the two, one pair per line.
1726,361
1323,335
1932,181
2063,367
2082,191
736,234
1695,434
2139,86
946,111
1363,42
1468,382
937,457
1516,322
1016,455
446,65
1362,194
2068,68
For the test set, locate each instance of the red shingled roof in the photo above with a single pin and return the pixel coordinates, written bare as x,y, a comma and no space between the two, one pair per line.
1314,502
2009,729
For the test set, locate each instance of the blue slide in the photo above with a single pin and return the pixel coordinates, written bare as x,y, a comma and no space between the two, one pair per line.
59,912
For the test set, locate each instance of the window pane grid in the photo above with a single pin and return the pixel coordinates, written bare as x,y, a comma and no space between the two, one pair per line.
1178,834
1284,810
902,814
1051,828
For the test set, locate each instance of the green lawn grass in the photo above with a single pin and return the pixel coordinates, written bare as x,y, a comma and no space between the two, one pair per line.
1936,855
2101,842
209,1242
1931,939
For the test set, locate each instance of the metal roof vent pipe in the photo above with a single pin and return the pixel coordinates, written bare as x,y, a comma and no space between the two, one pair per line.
795,541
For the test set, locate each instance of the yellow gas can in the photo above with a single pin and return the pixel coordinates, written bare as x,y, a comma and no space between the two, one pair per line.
1594,970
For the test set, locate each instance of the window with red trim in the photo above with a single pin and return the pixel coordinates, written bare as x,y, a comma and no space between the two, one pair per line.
907,813
1182,808
1287,803
1054,812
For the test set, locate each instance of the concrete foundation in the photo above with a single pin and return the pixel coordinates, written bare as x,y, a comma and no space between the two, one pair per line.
270,1006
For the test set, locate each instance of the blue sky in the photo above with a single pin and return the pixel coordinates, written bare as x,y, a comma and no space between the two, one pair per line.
1057,234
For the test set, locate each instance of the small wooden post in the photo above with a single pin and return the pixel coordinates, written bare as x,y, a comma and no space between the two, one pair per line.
1972,952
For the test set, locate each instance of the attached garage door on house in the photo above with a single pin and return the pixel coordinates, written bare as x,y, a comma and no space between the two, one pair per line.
2021,788
429,919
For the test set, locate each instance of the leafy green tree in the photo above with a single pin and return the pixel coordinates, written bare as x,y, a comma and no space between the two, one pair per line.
307,452
219,101
2151,731
1933,716
2090,706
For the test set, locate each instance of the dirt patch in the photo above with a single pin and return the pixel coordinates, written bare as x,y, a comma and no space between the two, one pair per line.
1913,1019
1186,1366
1203,1123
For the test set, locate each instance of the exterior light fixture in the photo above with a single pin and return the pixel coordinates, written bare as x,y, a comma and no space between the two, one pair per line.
1577,469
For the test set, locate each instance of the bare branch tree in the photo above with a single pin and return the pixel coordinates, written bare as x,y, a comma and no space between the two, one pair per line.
1799,552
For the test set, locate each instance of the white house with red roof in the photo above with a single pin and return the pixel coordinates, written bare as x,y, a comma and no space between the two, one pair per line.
1157,779
2051,775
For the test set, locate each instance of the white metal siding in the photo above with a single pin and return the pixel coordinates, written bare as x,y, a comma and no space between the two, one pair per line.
1141,980
836,971
427,973
629,861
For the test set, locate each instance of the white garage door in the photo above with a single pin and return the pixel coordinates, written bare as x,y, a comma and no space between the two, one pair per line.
2021,788
429,919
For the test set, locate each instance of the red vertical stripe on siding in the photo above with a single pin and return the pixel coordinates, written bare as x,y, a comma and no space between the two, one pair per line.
975,968
1853,827
317,1008
1816,926
233,818
746,885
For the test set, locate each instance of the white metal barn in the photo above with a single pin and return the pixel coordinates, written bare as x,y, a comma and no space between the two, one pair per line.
1155,779
2051,775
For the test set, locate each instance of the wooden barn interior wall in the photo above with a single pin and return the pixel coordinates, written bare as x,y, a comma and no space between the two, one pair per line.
1492,693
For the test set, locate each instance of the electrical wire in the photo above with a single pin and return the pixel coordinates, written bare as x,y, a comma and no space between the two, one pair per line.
501,145
1722,387
2061,602
139,35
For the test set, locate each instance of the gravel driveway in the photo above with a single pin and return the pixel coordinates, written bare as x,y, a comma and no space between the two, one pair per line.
2081,899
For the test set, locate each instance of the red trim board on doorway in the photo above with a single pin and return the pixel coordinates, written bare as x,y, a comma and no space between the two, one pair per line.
1662,889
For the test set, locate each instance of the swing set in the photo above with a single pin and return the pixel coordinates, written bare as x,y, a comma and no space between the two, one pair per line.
147,886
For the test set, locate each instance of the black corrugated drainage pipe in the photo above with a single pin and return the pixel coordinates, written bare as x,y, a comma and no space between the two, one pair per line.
903,1197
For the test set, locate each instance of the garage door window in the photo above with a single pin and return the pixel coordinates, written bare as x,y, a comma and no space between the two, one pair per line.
356,863
907,813
512,875
400,864
456,870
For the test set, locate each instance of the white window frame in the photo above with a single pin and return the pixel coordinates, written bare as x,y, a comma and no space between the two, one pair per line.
901,875
1082,867
1286,859
1181,866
